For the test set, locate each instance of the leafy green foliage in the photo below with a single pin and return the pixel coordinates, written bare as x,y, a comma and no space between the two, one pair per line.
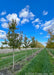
4,42
50,43
14,39
33,45
12,35
20,40
1,47
26,42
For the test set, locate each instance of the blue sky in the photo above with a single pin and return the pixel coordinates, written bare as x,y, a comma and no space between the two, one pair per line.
34,17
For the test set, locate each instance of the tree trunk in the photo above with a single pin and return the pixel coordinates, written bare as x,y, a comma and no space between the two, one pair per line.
32,51
13,59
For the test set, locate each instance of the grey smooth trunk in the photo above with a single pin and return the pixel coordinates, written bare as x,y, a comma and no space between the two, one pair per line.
13,59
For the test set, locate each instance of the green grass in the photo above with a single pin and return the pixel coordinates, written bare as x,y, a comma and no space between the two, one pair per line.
52,51
52,62
10,54
4,62
39,64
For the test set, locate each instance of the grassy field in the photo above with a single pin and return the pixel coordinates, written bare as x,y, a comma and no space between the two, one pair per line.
52,51
40,64
52,63
6,59
10,54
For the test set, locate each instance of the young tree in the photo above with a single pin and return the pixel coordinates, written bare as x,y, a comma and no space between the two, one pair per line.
29,42
12,36
20,40
5,42
26,42
33,43
36,44
1,47
50,43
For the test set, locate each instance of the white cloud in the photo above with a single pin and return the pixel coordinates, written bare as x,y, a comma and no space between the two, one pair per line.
9,18
2,34
45,12
24,21
3,13
13,16
48,25
47,36
37,26
31,15
23,13
4,25
37,20
2,19
41,33
26,14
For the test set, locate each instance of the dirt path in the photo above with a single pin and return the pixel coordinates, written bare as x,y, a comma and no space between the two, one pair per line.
19,65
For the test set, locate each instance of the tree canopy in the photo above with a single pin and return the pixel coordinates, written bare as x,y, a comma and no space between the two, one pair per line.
50,43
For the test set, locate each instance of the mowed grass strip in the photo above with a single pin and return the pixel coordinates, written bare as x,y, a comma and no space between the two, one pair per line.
52,59
39,64
52,63
8,61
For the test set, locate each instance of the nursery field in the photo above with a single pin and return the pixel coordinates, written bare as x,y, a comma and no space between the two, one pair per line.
6,60
42,64
51,50
29,62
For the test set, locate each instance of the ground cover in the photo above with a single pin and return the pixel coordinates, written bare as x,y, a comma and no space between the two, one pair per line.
5,62
39,64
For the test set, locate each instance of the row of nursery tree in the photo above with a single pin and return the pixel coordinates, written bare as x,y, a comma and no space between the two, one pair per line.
50,43
17,40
